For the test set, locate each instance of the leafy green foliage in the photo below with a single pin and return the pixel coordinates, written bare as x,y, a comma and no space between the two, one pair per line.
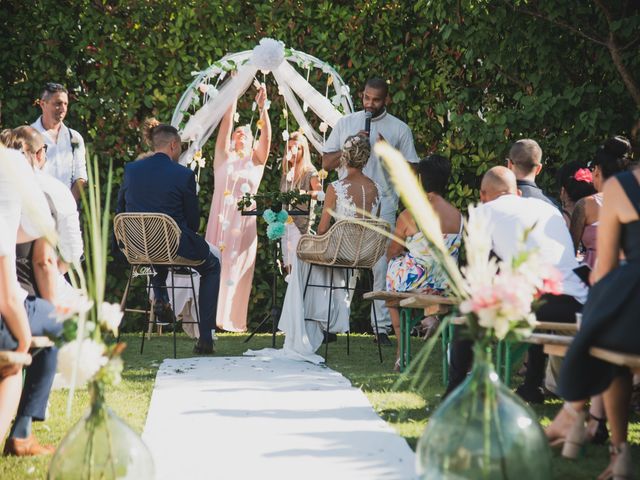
469,76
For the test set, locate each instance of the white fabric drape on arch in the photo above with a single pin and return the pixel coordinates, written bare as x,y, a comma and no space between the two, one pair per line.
202,124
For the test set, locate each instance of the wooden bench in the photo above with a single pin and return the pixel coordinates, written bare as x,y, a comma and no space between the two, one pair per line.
9,358
413,307
558,345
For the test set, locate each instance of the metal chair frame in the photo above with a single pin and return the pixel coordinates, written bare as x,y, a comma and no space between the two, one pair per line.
350,245
151,240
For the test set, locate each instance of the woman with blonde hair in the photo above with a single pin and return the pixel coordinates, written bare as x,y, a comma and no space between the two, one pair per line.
298,173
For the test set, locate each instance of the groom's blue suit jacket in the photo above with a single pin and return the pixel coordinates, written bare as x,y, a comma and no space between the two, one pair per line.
157,184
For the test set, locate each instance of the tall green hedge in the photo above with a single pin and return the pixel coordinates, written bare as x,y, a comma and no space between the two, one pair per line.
469,77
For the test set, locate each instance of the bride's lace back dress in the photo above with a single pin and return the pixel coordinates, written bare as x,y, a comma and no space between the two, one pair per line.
304,318
353,199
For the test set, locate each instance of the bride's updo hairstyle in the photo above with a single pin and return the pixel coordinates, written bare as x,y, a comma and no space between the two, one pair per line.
613,156
355,152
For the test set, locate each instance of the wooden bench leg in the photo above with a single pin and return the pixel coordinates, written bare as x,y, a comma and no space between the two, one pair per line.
409,318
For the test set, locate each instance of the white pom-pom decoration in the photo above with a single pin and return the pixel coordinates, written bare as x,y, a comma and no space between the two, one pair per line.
290,176
285,135
245,188
323,127
320,196
268,54
225,224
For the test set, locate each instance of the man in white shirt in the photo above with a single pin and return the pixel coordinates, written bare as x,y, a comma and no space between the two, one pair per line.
382,125
66,157
61,202
508,215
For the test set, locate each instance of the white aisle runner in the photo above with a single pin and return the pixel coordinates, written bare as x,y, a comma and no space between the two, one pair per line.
251,417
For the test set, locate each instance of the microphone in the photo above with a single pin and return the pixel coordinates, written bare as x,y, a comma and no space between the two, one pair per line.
367,122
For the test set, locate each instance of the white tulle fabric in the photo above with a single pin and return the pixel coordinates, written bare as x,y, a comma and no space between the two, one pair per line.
202,123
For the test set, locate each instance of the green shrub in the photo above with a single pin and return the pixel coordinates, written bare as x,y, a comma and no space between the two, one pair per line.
527,68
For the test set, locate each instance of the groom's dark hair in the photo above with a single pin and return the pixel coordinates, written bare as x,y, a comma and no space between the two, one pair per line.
162,135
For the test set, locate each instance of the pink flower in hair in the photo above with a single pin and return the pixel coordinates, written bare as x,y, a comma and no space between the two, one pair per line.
583,175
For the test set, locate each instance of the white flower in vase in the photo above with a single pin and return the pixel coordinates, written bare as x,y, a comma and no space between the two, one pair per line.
71,303
110,316
86,355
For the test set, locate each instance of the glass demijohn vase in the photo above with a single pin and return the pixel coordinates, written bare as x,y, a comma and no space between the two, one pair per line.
483,431
101,446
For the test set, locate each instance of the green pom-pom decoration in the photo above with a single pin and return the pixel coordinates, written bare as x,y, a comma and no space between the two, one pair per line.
282,216
275,230
269,215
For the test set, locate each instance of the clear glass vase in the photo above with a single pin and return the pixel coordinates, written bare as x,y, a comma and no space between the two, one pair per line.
101,446
483,431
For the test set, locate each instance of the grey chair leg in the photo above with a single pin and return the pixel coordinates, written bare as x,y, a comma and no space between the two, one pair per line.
375,318
326,347
175,316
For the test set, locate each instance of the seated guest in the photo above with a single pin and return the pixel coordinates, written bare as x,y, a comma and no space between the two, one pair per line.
525,161
298,173
611,158
508,215
158,184
609,320
574,181
23,209
61,202
304,314
15,333
412,268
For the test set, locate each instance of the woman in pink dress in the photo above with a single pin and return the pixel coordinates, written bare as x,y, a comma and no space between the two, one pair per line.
238,166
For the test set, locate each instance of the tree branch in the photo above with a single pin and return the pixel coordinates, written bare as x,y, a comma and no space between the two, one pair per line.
559,23
616,57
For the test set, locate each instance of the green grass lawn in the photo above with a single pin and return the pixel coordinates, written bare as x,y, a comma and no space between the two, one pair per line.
406,411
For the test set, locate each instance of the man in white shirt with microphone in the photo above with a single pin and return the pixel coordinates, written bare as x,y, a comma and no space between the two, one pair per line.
376,123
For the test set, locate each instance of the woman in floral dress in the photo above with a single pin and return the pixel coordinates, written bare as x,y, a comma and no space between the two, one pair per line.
412,268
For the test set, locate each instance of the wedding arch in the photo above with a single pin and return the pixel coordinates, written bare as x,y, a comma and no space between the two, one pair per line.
208,97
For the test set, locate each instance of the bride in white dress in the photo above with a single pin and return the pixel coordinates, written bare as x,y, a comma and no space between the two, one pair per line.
303,320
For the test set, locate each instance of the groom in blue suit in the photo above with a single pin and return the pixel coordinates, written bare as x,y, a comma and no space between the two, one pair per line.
159,184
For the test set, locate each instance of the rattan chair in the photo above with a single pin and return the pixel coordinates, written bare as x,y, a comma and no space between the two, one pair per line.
349,245
148,240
